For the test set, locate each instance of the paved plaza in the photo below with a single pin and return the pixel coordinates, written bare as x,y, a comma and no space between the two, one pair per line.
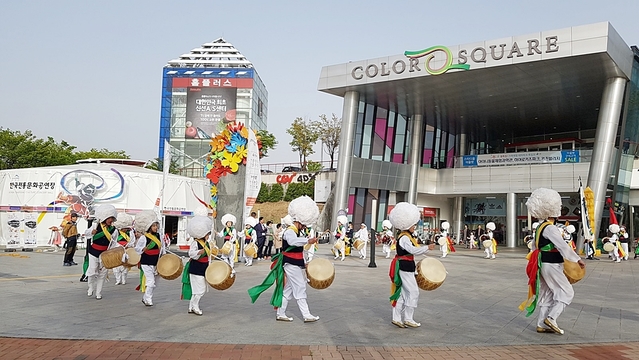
473,313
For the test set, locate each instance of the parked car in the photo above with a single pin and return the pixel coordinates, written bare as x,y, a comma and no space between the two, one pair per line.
291,169
266,171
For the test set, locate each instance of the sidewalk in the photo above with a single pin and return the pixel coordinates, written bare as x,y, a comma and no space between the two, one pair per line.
107,350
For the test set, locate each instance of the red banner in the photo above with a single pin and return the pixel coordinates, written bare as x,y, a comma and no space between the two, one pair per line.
429,212
212,82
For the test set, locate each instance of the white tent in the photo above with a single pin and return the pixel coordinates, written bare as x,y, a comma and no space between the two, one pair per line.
34,200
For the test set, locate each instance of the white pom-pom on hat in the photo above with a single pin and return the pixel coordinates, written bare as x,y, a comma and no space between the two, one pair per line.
123,221
287,220
304,210
570,229
445,225
144,220
104,212
614,228
229,217
199,226
387,224
491,226
250,221
342,220
201,211
404,215
544,203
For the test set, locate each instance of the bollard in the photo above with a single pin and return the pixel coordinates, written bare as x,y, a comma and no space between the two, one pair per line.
372,264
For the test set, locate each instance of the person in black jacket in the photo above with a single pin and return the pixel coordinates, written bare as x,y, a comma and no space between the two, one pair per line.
261,231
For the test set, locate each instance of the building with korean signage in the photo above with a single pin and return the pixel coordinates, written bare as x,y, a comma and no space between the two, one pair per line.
469,131
203,90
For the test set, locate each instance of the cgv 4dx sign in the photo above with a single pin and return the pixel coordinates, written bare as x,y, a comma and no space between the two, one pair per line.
465,57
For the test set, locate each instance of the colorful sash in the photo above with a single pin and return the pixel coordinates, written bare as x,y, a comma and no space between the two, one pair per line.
187,291
396,280
123,239
275,276
533,270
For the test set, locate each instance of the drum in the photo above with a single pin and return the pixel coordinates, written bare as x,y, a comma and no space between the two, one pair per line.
133,257
170,267
609,247
219,275
307,247
529,244
430,274
573,271
250,249
226,248
320,273
214,250
339,244
487,243
441,241
112,258
359,244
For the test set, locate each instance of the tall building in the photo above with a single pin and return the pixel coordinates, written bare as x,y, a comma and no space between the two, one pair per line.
201,91
466,132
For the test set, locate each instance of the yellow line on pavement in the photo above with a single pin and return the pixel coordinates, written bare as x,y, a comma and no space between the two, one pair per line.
41,277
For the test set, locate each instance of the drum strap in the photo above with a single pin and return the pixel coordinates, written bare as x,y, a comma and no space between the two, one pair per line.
155,240
205,246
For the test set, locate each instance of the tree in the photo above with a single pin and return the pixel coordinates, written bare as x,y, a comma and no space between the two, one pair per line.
24,150
304,138
101,154
329,132
314,166
157,164
268,142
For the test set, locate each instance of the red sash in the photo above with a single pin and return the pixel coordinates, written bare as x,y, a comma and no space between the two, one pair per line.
152,252
395,263
294,255
99,247
204,259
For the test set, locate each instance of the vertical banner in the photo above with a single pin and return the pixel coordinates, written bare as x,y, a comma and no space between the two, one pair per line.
253,179
30,230
206,108
14,227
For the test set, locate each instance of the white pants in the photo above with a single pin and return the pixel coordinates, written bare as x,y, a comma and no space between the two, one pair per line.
96,273
386,249
408,298
489,252
362,253
310,253
555,292
248,259
230,258
624,246
444,249
121,272
614,254
150,272
294,288
198,288
339,252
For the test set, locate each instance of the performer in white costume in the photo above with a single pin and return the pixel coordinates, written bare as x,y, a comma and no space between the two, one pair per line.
101,241
362,234
555,291
229,234
448,243
304,213
249,238
405,293
623,240
125,237
150,248
614,240
340,234
492,249
193,281
387,237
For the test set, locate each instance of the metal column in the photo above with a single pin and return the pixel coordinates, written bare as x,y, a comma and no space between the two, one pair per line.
415,157
603,150
347,137
511,220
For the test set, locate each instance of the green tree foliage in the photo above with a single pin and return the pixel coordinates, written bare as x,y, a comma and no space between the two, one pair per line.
24,150
263,195
101,154
304,138
268,142
276,194
314,166
158,164
329,132
297,189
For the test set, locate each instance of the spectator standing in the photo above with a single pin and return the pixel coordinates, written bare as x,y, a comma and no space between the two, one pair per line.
269,239
70,232
277,238
260,228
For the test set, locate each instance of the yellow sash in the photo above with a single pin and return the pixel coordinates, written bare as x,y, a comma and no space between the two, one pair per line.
124,235
410,236
207,250
154,239
105,232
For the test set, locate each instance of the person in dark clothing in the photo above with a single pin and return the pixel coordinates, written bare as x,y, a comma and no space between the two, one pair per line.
269,239
261,231
70,232
87,237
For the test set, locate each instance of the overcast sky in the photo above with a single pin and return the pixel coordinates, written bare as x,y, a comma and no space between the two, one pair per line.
90,72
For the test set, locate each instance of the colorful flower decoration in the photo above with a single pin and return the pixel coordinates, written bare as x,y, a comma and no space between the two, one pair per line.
228,151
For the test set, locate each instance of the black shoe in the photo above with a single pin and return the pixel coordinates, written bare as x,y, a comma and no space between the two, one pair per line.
84,279
74,263
66,264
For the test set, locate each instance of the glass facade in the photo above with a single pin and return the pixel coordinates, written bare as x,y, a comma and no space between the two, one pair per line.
196,102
